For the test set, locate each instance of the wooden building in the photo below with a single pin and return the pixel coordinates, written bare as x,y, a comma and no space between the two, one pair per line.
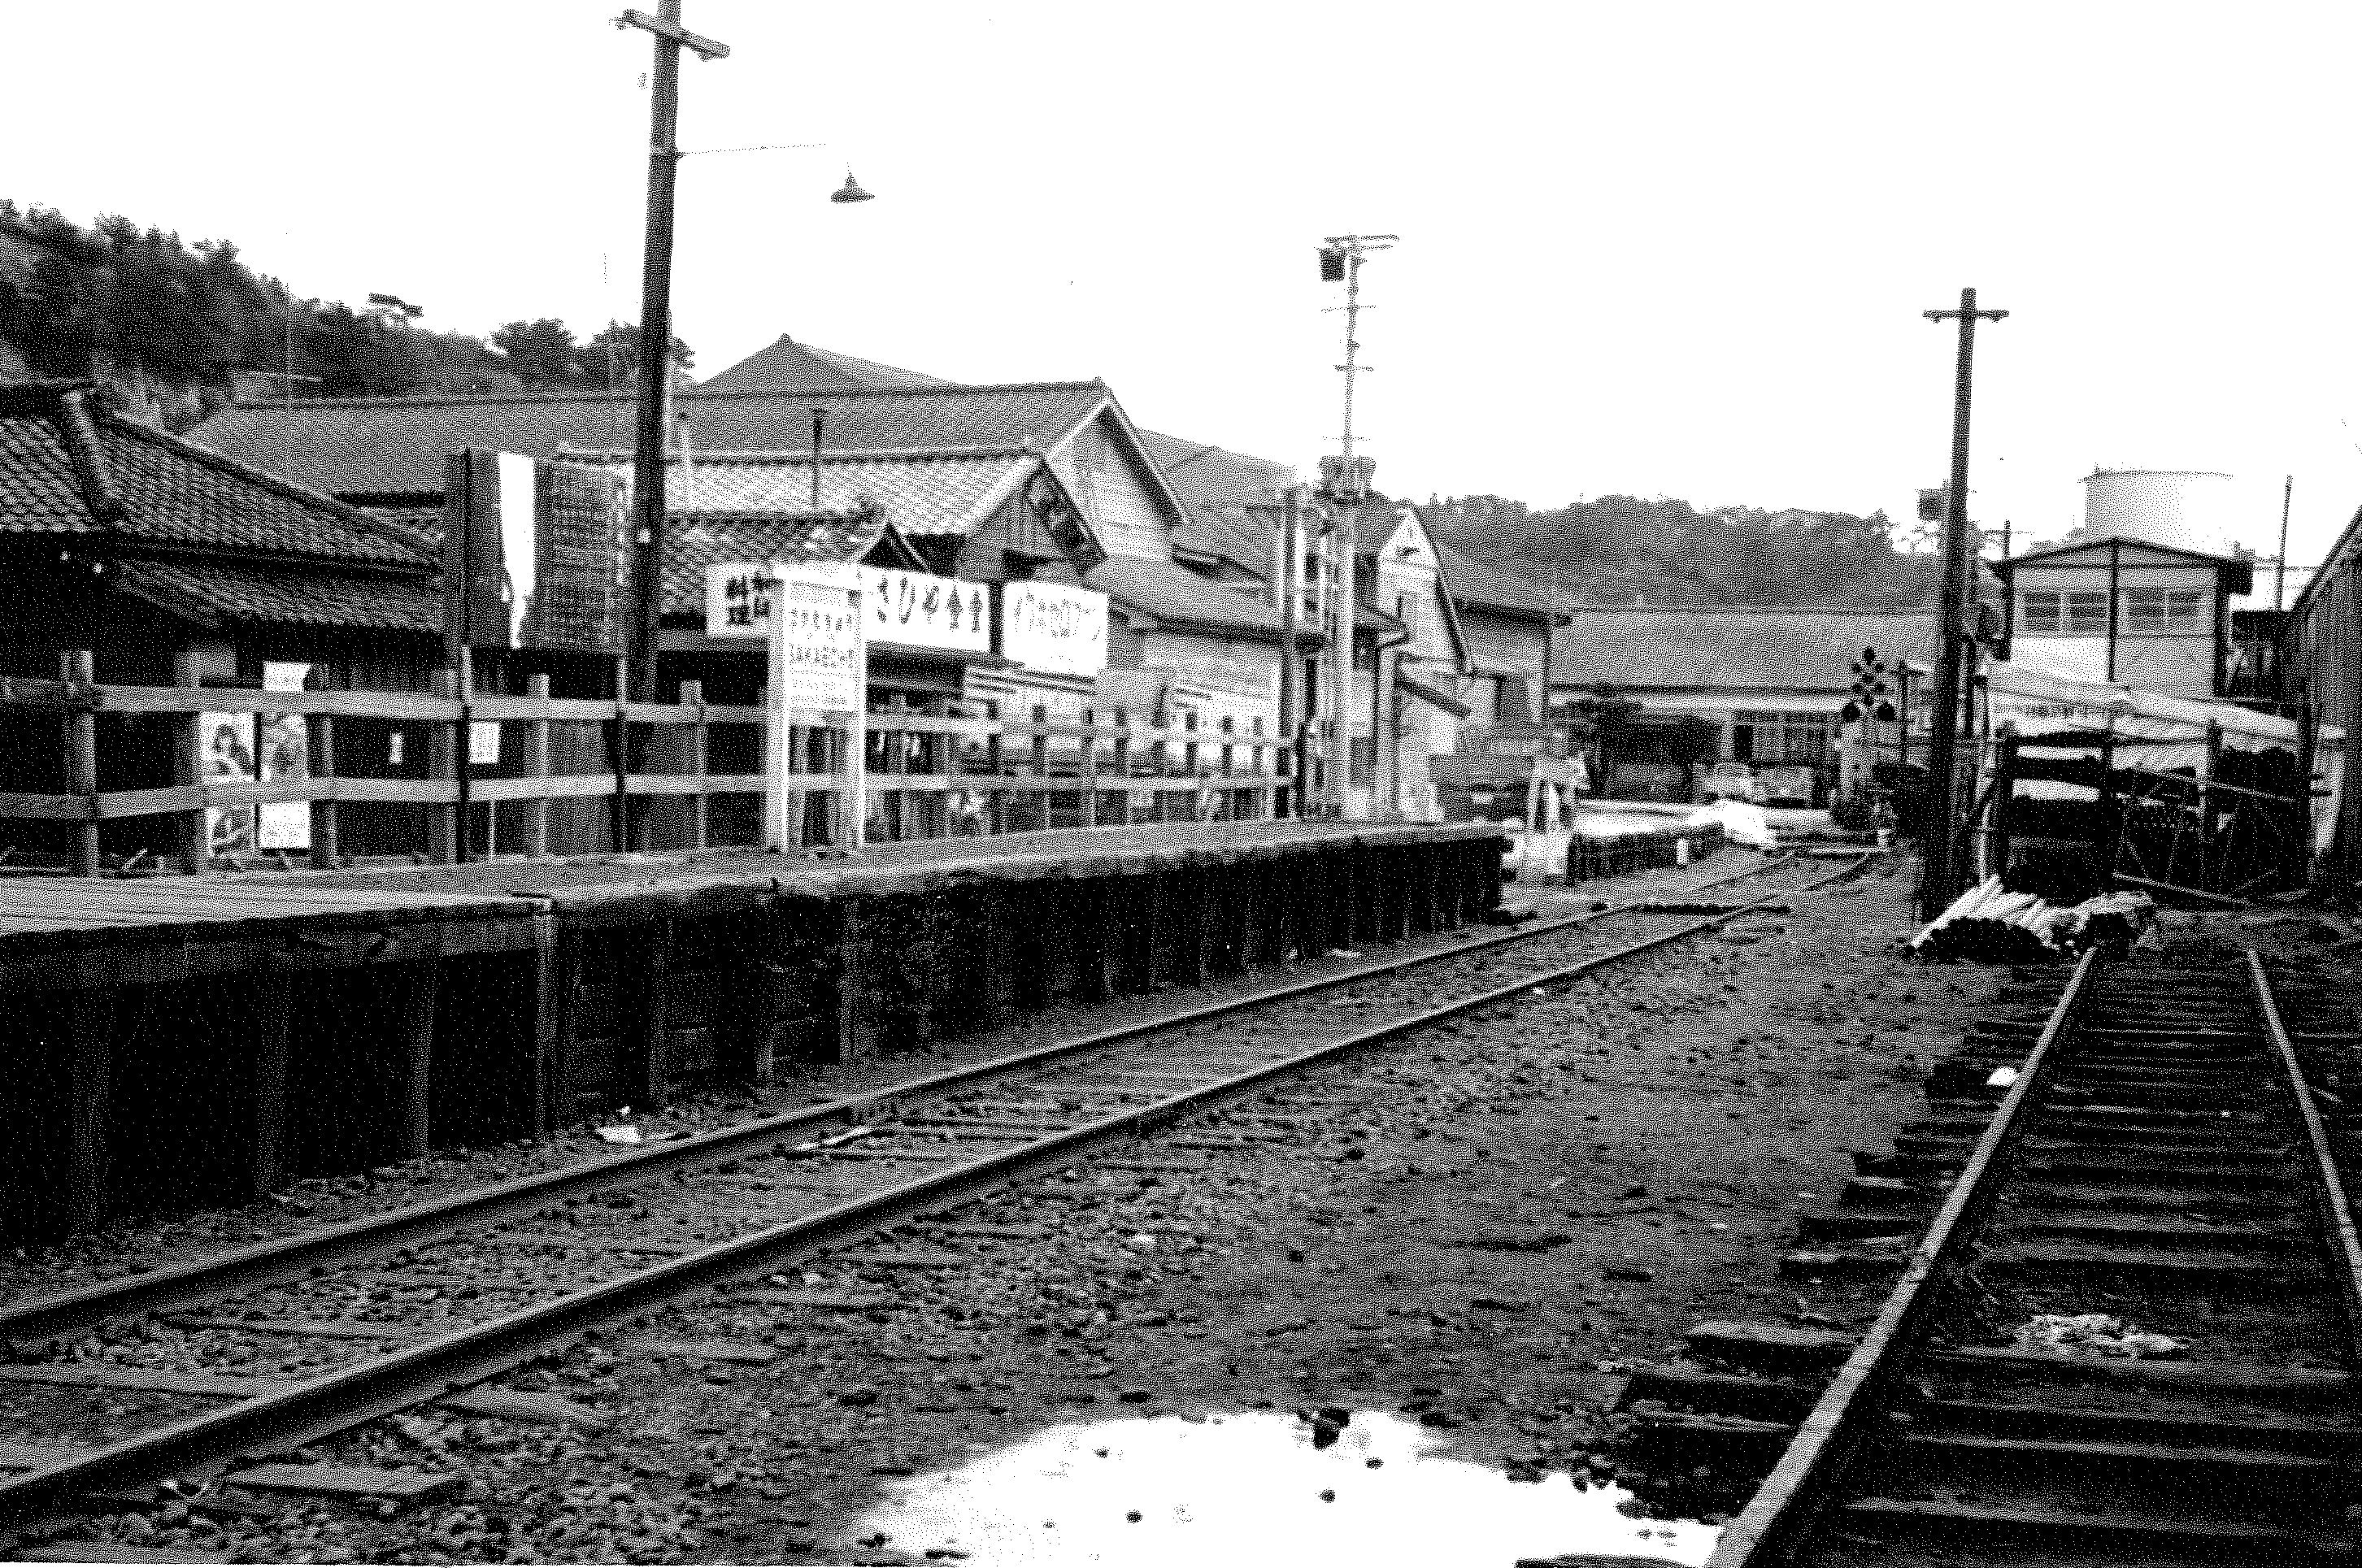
1044,480
175,564
1762,685
2124,611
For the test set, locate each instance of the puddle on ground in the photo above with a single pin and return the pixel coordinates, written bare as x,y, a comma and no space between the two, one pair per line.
1253,1488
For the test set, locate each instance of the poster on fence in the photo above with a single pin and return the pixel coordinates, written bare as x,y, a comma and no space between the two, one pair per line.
282,747
225,743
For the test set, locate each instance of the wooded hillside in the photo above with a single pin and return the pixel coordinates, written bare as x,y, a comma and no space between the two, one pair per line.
1622,550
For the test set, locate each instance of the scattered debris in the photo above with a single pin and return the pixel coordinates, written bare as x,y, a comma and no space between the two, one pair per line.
2093,1334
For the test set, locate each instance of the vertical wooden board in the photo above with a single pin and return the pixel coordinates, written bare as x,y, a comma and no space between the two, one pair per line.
272,1004
999,986
1193,925
651,1034
413,1047
550,992
855,1031
88,1046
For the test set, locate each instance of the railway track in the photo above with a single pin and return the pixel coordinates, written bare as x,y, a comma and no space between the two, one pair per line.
2159,1159
218,1365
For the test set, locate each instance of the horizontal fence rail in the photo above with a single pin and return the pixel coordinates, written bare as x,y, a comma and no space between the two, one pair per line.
920,774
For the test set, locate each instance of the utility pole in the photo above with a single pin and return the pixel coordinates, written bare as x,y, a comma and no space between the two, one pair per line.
1346,483
1289,581
1944,720
2279,571
655,327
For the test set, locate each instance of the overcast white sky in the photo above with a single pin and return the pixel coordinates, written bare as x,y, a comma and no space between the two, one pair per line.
1649,249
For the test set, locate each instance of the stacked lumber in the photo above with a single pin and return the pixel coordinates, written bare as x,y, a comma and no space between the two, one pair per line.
1990,924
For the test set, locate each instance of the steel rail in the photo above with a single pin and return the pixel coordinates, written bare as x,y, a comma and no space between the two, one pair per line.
2339,1235
286,1258
1784,1506
426,1371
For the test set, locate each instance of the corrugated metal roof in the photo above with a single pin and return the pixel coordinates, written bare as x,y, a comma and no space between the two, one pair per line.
1719,647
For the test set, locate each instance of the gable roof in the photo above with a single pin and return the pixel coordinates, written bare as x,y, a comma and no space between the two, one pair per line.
695,541
395,446
1725,647
1209,476
1171,595
1199,473
1496,590
2241,571
69,464
922,494
787,366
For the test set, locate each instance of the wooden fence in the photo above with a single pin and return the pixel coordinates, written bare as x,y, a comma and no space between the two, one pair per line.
922,775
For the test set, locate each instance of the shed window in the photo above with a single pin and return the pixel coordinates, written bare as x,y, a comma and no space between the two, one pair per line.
2052,611
2162,610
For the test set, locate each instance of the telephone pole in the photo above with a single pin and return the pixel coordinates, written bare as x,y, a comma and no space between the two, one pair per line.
1937,874
1345,483
655,327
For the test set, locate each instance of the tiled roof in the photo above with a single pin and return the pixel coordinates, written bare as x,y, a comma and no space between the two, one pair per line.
1175,595
1228,531
1215,476
1729,648
68,463
787,366
1205,475
395,446
694,542
922,494
1477,585
215,592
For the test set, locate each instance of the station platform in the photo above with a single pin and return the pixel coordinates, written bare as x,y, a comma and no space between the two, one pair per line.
203,1039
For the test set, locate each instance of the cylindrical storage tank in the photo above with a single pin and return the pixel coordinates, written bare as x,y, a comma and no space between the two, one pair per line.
2185,509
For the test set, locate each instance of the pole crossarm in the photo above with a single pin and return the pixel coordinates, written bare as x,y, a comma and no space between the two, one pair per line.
667,28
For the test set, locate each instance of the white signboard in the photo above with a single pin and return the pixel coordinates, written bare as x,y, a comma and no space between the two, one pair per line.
1054,628
738,598
910,609
917,609
816,648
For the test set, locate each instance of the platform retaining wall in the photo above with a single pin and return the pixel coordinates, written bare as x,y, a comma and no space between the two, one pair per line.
139,1087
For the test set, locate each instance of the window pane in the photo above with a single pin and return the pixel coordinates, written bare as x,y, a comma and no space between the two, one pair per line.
2087,611
2039,612
2182,606
2144,610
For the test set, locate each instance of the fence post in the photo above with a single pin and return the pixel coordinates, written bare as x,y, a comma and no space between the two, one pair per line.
444,749
1267,768
188,762
1123,759
536,763
620,814
896,749
1090,767
996,800
74,668
692,695
323,771
1189,766
1041,769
